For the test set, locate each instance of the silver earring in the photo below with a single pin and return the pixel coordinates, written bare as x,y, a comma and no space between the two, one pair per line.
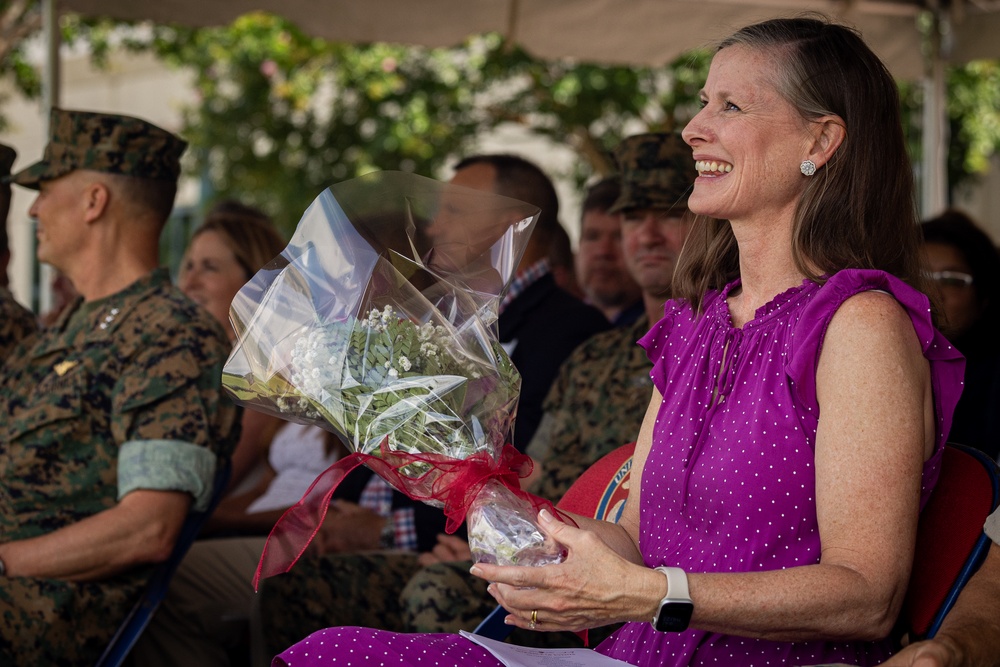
808,167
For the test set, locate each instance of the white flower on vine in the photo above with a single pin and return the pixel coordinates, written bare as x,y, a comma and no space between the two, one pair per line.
393,373
404,363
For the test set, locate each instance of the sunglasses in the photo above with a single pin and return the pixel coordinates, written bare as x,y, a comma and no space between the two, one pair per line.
949,278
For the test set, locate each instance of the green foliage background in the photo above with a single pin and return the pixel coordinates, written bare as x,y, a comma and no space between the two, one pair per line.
284,114
281,114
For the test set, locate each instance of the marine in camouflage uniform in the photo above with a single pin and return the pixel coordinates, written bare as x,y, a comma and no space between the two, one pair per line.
122,394
600,397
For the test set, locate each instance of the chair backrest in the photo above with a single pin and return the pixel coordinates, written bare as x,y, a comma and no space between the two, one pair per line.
951,544
156,588
599,492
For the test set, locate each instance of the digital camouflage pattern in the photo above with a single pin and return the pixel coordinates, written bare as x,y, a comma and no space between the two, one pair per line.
445,597
657,171
595,406
387,590
359,589
142,364
16,323
104,142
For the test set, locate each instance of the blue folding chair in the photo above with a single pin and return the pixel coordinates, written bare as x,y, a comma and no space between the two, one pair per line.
156,588
951,544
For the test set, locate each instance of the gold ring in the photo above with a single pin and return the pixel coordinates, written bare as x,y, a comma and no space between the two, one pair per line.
534,619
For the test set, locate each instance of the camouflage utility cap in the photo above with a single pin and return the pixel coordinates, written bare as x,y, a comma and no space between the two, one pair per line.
7,155
104,142
657,171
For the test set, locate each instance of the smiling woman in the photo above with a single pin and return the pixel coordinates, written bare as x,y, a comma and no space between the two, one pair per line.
224,253
802,396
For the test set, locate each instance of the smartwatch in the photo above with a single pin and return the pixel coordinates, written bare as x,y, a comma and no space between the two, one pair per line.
674,612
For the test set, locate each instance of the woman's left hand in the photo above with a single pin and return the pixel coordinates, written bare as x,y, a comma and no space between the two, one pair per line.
594,586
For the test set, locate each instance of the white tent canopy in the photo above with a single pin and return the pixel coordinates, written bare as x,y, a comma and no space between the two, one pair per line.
648,32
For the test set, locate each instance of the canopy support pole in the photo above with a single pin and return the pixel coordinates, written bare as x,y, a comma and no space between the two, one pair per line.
934,193
51,93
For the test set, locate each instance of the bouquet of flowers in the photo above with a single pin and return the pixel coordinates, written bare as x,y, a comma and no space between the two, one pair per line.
378,323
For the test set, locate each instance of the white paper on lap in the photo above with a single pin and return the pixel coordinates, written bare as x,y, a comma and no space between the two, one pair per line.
512,655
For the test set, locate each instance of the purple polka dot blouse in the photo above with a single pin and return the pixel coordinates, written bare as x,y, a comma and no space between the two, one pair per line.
729,483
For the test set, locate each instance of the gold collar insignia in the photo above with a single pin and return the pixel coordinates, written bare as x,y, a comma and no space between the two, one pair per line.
64,367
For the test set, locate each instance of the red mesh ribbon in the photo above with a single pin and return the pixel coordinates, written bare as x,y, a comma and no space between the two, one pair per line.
453,482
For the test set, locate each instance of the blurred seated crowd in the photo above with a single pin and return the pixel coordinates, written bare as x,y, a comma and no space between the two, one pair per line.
114,418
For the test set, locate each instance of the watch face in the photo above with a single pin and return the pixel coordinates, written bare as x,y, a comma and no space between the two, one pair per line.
674,616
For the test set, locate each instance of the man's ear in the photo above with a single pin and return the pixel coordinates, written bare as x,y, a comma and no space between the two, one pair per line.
828,133
97,198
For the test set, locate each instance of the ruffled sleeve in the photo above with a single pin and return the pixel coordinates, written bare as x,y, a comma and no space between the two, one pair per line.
680,321
655,340
947,364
